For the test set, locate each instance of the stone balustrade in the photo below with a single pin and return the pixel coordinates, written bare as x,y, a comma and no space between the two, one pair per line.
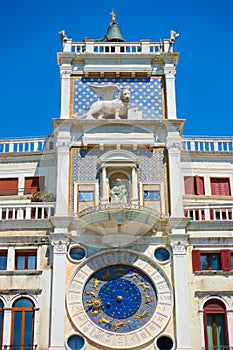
26,211
208,144
118,206
209,212
38,144
143,47
190,144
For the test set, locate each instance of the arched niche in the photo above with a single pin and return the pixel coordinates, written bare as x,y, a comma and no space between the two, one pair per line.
119,174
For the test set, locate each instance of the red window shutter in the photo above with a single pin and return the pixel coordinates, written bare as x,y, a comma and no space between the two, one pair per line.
226,259
196,260
214,187
189,184
225,187
220,186
33,184
8,187
200,185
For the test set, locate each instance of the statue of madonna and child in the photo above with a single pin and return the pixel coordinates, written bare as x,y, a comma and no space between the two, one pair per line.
119,193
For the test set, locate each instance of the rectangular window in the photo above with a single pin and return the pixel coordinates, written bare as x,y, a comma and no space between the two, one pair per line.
8,187
151,195
3,259
86,196
220,186
212,261
25,260
194,185
33,184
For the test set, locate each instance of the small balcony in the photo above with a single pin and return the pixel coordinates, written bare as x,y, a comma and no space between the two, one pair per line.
206,212
26,211
115,224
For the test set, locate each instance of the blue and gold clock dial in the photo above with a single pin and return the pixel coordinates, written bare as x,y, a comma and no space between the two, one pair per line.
119,298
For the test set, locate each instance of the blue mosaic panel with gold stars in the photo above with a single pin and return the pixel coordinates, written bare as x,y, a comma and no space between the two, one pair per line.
85,166
146,94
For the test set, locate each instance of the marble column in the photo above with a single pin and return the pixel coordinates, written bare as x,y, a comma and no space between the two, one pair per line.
104,186
134,199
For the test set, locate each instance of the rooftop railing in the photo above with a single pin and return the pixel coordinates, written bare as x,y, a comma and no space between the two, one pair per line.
37,144
190,144
99,47
208,144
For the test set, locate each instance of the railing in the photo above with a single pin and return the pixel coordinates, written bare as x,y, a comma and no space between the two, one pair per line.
26,211
209,212
19,347
218,347
109,206
27,145
206,144
143,46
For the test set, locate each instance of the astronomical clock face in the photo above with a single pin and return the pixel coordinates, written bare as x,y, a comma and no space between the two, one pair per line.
119,299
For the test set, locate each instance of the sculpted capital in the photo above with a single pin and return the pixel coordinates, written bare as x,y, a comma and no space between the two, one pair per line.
59,246
65,74
179,247
174,146
62,147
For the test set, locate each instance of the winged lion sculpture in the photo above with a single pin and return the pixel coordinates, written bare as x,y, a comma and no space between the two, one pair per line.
108,106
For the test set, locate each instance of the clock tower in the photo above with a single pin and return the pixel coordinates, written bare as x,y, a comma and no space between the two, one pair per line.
119,240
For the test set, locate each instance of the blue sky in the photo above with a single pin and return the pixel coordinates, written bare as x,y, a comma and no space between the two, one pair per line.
30,86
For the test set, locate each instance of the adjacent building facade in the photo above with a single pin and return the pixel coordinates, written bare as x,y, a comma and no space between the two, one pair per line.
116,231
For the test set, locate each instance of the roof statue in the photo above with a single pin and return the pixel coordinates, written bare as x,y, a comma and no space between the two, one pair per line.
114,31
113,14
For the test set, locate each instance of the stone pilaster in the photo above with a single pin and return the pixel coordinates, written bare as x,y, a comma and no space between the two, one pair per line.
6,339
170,72
179,244
58,294
65,92
63,161
175,179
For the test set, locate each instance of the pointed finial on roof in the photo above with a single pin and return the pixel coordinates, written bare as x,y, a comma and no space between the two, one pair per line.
113,14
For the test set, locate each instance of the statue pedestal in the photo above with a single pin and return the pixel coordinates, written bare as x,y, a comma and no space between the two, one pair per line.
134,113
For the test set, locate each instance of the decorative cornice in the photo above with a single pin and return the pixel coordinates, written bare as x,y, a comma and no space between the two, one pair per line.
22,292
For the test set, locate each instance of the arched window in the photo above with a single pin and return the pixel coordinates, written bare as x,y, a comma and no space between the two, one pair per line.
215,325
22,324
1,321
